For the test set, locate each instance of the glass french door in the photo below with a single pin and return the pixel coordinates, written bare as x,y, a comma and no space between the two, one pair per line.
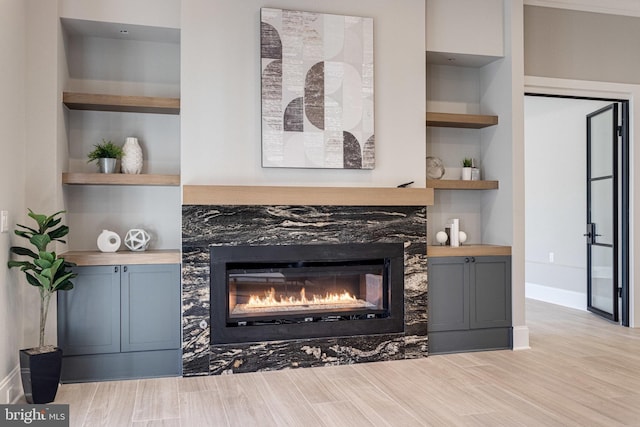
604,134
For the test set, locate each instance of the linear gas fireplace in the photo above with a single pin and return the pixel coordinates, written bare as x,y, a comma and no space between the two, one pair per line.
306,291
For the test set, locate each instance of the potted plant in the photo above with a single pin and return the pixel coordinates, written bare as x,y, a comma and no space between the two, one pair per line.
467,163
105,155
40,366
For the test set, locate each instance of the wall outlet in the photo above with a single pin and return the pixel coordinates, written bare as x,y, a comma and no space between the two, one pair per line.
551,257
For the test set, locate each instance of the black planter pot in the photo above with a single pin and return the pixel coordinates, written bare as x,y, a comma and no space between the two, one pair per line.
40,374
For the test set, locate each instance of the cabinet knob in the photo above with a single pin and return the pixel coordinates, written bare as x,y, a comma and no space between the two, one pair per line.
125,268
473,259
115,269
466,259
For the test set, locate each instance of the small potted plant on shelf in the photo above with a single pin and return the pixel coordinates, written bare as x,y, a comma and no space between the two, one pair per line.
467,163
106,154
40,366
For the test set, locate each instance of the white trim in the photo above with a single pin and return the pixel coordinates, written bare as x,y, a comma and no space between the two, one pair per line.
622,91
563,297
10,387
610,7
521,338
582,88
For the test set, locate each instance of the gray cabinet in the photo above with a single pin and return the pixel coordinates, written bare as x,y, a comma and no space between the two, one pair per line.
121,321
469,303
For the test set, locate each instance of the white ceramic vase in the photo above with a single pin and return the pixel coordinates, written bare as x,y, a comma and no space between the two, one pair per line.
108,241
132,156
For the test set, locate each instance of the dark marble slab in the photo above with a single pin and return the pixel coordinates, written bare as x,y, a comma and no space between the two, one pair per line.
203,226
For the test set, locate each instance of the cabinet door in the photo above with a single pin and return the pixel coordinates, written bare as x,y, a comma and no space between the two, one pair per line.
448,294
89,314
150,307
490,292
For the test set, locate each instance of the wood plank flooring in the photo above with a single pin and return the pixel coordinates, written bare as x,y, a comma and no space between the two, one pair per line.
580,371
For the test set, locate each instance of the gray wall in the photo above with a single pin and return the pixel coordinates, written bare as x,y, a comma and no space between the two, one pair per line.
578,45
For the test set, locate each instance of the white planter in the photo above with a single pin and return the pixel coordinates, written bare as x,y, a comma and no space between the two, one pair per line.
466,174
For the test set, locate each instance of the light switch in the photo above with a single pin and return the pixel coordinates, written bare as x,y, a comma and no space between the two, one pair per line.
4,221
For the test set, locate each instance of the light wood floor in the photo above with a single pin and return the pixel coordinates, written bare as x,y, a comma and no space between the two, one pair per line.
580,371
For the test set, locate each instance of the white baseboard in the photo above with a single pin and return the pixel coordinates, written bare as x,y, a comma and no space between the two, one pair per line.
11,387
563,297
521,338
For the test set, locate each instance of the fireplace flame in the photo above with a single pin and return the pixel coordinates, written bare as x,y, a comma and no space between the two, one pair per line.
270,300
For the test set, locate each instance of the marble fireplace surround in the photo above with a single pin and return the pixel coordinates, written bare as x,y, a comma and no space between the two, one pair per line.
239,215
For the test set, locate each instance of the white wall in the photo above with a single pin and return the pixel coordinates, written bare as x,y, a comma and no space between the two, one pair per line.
220,94
97,59
13,42
454,89
555,201
141,12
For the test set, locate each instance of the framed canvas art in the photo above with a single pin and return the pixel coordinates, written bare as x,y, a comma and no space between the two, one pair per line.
317,90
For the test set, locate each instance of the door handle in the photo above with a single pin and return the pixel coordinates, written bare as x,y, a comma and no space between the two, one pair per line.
591,233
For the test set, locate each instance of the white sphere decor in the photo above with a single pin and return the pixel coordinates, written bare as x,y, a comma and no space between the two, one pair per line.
441,237
108,241
462,237
137,239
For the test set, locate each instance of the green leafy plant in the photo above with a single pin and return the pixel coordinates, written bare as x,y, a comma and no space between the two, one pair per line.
106,149
44,270
467,162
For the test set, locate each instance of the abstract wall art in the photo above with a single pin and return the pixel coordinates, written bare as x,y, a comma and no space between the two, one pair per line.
317,90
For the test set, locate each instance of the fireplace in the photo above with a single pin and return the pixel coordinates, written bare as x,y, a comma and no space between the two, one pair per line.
284,292
215,341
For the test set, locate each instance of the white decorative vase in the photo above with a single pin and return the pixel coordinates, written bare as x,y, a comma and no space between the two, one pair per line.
137,239
108,241
132,156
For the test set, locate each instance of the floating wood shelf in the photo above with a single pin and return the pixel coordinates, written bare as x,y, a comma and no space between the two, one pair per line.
466,121
454,184
73,178
127,104
160,256
468,250
320,196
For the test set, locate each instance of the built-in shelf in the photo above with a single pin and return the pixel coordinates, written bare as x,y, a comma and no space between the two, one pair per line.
468,250
466,121
73,178
160,256
127,104
456,184
327,196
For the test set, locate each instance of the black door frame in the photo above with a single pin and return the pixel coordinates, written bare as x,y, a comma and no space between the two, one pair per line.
624,202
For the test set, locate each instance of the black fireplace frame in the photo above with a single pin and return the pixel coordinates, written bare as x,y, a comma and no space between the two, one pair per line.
221,256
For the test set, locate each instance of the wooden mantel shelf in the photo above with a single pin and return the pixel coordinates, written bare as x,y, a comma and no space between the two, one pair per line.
159,256
318,196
